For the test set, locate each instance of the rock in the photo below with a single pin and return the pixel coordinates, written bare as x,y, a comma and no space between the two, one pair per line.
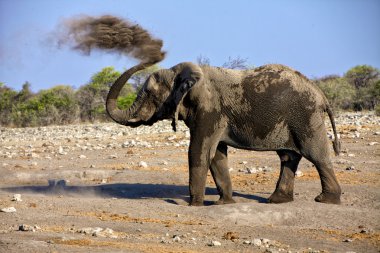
299,173
373,143
377,133
112,156
82,156
243,162
164,163
214,243
143,164
231,236
272,250
176,238
351,155
25,227
348,240
17,197
265,241
252,170
10,209
350,168
248,242
257,242
171,138
61,151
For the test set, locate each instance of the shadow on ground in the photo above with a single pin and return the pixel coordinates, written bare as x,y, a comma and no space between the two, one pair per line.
123,190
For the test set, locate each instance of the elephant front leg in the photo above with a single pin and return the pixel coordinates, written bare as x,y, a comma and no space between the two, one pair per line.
220,173
198,168
285,183
201,152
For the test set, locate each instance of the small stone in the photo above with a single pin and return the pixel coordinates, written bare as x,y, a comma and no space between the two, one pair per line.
351,155
92,166
373,143
252,170
257,242
61,151
112,156
25,227
243,162
16,197
214,243
377,133
34,155
10,209
348,240
246,242
231,236
176,238
350,168
265,241
143,164
82,156
171,138
299,173
164,163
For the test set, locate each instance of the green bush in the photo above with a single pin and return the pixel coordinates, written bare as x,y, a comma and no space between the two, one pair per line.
126,101
338,91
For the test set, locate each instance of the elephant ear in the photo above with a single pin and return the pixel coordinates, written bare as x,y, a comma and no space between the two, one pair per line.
188,75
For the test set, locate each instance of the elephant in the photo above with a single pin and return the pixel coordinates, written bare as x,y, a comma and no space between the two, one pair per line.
268,108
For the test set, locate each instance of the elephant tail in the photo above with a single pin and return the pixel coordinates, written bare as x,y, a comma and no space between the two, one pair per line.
336,141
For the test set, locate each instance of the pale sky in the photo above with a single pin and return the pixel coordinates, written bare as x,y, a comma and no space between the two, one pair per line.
315,37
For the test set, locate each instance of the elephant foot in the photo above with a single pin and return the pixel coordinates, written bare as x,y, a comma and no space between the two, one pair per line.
224,201
280,197
196,203
328,198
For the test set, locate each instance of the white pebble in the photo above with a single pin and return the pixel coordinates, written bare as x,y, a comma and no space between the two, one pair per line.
143,164
17,197
10,209
299,173
257,242
215,243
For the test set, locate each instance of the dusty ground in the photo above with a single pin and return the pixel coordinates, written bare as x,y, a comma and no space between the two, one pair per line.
110,201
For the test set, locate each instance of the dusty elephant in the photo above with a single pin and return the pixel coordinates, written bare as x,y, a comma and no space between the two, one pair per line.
269,108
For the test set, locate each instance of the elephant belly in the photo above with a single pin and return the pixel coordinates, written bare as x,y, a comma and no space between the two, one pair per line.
248,136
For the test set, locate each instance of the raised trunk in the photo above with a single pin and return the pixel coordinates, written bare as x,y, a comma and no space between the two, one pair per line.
113,111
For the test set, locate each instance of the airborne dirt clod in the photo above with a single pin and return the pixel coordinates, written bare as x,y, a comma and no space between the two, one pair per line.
109,188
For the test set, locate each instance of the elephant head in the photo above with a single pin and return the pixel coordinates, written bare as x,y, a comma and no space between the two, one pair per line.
158,99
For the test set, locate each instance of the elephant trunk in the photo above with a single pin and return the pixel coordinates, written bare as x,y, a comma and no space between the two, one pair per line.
113,111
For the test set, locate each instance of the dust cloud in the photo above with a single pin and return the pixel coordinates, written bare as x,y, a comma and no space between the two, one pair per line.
110,33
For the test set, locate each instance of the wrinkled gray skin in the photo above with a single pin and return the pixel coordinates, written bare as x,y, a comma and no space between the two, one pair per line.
270,108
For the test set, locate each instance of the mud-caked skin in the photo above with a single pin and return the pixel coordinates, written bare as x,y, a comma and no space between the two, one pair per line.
270,108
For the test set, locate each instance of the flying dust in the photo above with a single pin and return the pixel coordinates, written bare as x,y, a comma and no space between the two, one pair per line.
110,33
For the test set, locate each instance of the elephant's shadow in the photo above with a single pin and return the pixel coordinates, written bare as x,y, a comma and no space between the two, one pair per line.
123,190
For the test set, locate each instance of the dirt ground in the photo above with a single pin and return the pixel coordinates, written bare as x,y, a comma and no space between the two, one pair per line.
108,188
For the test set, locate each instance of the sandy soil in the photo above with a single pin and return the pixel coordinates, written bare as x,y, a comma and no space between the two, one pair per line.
85,188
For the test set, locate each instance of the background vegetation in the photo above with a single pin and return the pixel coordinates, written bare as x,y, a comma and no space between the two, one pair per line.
358,89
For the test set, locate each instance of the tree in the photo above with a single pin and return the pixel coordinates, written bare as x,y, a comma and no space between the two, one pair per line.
362,76
7,98
364,79
337,90
203,60
236,63
92,97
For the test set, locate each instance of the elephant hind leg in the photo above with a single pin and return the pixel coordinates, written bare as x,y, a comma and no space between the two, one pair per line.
317,151
285,184
220,173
